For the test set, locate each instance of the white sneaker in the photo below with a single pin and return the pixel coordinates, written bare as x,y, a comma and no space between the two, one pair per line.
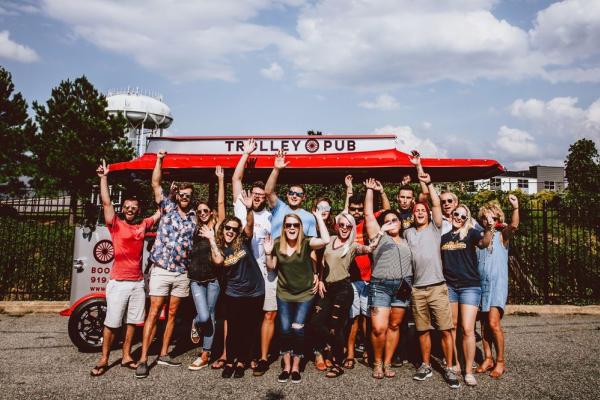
470,380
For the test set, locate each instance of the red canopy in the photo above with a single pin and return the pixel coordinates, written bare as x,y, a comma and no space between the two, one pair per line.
386,165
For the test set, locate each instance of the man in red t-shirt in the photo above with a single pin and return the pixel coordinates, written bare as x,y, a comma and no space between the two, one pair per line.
360,269
125,293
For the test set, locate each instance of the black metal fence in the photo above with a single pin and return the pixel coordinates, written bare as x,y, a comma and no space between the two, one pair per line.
554,257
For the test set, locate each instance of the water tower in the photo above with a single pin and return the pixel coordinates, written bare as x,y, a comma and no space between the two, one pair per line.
146,114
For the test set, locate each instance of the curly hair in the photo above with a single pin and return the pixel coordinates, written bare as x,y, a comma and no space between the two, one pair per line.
236,245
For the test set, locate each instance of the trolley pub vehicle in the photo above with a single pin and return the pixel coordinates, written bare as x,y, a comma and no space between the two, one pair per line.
315,159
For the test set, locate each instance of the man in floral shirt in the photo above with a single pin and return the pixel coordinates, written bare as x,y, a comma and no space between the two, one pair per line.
170,257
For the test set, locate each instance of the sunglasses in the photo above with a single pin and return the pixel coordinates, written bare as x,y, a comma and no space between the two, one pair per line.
292,193
356,208
228,228
393,220
289,225
448,201
132,208
258,194
184,195
459,215
342,225
204,210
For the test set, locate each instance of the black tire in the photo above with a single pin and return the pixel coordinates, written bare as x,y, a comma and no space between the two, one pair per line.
86,324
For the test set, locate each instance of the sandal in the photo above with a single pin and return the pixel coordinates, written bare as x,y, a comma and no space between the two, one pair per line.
349,363
483,367
320,363
495,374
99,370
334,371
219,364
388,372
129,364
378,370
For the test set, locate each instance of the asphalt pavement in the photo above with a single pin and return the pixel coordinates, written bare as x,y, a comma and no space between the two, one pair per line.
549,356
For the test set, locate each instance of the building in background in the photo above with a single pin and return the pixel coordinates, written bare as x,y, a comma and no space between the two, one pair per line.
537,179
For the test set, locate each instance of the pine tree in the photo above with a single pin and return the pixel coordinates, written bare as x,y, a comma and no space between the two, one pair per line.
76,132
16,132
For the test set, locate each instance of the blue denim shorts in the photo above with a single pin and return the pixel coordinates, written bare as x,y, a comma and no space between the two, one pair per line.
382,293
467,295
360,304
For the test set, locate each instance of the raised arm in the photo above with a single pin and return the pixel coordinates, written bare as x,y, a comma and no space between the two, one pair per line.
436,207
238,173
320,242
215,254
385,202
272,181
415,159
349,192
268,244
509,230
373,227
220,193
107,208
157,176
247,201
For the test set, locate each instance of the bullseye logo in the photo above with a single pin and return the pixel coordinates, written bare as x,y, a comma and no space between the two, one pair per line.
104,252
312,145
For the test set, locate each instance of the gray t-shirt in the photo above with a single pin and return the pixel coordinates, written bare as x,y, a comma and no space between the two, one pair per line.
391,260
426,255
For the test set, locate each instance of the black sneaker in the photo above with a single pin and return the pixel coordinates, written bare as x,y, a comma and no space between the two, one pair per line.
228,371
168,361
239,372
423,372
451,379
283,377
296,378
142,370
261,368
397,362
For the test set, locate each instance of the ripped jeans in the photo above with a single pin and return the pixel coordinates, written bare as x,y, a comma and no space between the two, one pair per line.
292,317
330,316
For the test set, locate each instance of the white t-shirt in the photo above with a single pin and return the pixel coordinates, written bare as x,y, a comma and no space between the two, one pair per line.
262,227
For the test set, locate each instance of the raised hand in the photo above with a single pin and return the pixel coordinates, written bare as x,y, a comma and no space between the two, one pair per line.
161,154
406,179
513,200
280,160
378,186
219,172
370,183
415,157
348,181
207,232
246,198
268,243
425,178
102,170
249,146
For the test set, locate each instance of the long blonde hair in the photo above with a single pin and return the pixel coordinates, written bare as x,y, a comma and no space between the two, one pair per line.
468,223
352,236
493,207
283,243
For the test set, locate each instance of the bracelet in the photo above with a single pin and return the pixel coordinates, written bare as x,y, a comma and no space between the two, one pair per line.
268,254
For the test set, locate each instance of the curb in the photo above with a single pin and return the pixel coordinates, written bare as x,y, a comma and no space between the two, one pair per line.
54,307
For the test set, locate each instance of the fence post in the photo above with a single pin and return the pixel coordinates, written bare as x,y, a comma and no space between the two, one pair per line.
545,252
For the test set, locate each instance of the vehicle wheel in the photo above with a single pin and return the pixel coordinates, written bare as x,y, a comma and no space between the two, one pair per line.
86,324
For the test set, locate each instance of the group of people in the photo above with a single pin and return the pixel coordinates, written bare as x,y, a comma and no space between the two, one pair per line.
323,279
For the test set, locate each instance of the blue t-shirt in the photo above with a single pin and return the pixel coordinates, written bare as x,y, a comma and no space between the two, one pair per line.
459,259
281,209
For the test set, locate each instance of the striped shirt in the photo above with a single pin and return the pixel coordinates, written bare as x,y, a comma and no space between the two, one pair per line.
391,260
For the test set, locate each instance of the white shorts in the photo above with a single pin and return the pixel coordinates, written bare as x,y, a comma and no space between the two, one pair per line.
121,297
270,303
164,283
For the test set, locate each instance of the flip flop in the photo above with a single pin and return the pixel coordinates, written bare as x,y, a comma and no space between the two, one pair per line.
219,364
99,370
334,371
349,363
129,364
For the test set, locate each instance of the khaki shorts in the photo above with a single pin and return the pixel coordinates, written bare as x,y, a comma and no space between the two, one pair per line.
431,304
125,300
165,283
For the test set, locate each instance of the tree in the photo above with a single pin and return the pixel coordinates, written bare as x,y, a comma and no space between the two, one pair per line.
582,172
76,132
16,131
